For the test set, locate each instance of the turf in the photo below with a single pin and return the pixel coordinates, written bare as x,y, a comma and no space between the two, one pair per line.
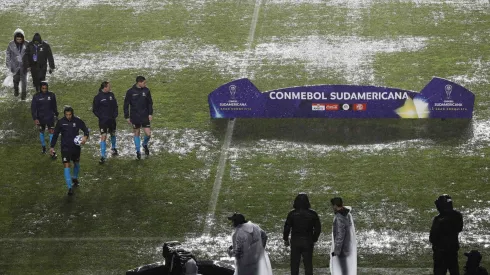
389,171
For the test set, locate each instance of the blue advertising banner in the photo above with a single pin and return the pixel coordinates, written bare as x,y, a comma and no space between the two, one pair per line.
440,98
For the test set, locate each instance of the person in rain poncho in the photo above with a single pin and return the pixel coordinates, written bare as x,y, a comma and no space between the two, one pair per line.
16,50
248,247
343,260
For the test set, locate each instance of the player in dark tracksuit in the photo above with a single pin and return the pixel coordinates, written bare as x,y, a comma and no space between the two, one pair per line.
138,110
44,112
69,127
105,109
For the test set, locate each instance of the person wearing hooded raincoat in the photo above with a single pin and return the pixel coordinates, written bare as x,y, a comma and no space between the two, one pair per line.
248,248
16,50
38,54
444,236
304,225
343,260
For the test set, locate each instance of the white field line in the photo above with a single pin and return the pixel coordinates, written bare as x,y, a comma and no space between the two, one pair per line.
84,239
210,216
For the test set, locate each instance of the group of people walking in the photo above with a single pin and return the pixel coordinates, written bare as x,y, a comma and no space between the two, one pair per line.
36,56
23,56
138,110
302,229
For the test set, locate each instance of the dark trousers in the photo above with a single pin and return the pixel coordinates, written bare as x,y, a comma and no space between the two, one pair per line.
38,74
20,76
301,248
444,261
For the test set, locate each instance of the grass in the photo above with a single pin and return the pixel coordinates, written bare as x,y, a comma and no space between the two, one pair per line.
390,171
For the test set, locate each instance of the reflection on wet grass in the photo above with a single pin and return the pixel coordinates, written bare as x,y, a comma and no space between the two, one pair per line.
352,131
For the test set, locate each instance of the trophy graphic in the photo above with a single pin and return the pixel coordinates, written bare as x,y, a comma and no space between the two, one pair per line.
448,88
232,91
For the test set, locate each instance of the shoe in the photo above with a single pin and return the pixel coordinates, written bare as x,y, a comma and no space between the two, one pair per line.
70,192
138,155
44,150
54,156
147,151
23,96
102,160
75,182
114,152
16,92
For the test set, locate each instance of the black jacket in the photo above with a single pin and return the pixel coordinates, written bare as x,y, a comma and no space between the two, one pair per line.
141,104
302,221
445,230
105,106
476,271
69,129
44,107
43,51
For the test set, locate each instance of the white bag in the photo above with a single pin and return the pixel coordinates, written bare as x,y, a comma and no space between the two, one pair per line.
9,81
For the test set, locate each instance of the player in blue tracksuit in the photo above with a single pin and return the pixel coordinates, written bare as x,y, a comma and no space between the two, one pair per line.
44,111
105,109
69,126
138,110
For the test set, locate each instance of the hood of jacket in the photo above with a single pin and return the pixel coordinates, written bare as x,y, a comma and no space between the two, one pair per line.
37,37
301,201
444,204
19,31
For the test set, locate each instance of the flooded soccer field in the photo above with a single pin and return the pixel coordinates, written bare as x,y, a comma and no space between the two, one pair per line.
201,170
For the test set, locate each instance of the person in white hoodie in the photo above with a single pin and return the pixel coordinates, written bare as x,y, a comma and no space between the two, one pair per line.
248,248
16,50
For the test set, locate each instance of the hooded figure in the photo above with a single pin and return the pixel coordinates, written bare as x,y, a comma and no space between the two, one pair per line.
38,54
444,234
16,50
305,227
343,260
248,248
472,266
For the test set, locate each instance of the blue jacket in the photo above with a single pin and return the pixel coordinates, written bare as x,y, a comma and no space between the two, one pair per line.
105,107
44,107
141,104
68,129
